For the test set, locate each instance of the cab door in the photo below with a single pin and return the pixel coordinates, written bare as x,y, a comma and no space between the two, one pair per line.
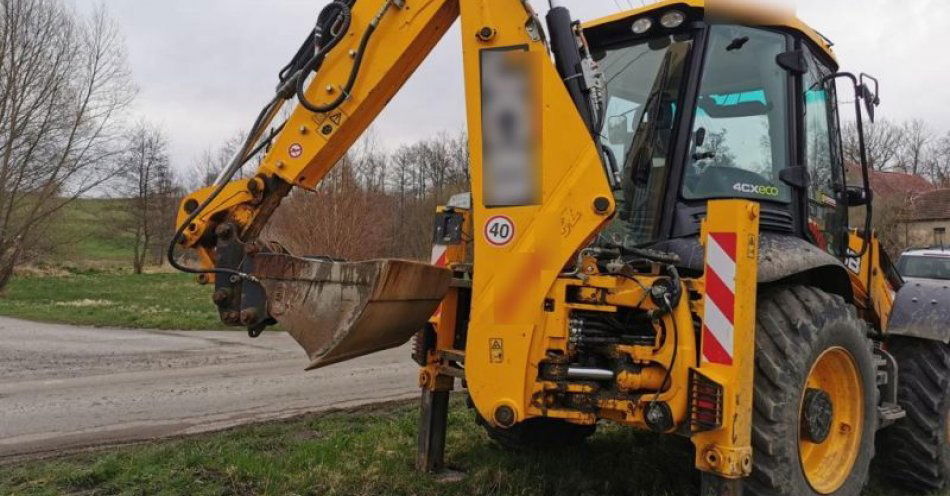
827,212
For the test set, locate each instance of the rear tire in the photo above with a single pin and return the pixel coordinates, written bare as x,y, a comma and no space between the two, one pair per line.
916,450
538,433
806,341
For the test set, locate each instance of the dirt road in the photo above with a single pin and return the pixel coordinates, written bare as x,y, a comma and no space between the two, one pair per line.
65,387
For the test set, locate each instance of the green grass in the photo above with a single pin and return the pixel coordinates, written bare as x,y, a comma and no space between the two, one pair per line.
85,232
113,299
367,452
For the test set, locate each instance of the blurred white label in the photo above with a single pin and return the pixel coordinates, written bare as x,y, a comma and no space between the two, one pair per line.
509,128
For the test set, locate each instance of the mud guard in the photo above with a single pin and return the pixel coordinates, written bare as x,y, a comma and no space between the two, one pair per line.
781,257
922,310
342,310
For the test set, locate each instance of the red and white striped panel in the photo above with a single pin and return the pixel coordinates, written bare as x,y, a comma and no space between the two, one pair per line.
719,318
439,259
438,255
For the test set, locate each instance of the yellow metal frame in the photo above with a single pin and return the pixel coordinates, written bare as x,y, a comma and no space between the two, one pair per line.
507,305
873,295
433,375
519,309
728,451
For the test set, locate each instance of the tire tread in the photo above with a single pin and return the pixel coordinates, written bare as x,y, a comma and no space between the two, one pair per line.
914,450
789,321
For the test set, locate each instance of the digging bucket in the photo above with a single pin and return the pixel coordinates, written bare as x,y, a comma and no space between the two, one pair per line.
338,311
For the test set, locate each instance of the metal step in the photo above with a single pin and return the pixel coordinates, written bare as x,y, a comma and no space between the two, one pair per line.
888,413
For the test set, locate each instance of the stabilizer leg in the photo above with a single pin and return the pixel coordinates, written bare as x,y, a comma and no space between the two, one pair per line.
433,420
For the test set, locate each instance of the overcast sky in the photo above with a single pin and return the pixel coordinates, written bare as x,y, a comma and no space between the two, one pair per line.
205,67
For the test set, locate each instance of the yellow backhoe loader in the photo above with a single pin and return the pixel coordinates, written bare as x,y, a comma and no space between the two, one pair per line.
657,235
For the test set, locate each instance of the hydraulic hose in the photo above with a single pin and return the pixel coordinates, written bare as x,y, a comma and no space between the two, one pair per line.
335,18
314,64
317,60
239,159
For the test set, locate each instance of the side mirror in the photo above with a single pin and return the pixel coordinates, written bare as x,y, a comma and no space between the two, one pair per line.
618,130
870,97
856,196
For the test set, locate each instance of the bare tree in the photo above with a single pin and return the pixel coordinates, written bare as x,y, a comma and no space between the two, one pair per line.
890,215
207,166
340,219
914,147
940,162
375,204
147,184
882,141
63,83
169,194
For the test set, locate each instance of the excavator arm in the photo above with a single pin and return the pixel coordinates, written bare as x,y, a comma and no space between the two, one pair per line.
359,71
359,55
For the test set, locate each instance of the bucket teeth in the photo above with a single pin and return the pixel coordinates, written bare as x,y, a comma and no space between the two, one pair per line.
342,310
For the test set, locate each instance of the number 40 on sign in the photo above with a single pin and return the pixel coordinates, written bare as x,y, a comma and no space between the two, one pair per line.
499,230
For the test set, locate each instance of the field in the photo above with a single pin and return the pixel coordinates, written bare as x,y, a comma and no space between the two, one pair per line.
87,280
367,452
85,234
113,299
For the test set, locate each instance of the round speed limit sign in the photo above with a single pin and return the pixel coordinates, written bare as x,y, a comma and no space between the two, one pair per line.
499,230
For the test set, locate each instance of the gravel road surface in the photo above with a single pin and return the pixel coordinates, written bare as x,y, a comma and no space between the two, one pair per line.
66,387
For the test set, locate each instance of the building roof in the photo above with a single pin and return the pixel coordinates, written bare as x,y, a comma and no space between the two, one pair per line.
932,205
893,184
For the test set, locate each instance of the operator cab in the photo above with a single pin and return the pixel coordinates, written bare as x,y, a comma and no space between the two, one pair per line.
698,110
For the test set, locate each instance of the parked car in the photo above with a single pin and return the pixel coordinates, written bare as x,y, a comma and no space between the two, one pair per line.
932,263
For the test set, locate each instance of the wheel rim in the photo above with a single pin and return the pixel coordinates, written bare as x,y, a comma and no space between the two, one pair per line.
828,463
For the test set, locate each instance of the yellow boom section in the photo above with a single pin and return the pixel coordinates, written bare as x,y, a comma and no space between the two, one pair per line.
526,241
312,143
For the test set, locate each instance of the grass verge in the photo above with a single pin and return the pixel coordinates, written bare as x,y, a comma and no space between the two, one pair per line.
154,301
366,452
89,230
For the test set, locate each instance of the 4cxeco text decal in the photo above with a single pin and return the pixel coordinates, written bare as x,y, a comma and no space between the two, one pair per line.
499,230
756,189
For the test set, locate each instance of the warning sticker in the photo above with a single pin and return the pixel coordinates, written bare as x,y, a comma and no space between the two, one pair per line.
499,230
496,350
295,150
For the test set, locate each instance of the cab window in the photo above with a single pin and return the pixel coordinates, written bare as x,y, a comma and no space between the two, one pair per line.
739,141
826,219
644,82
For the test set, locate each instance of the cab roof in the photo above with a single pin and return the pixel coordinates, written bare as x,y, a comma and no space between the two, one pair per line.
725,9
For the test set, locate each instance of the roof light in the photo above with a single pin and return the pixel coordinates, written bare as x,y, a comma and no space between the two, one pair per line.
642,25
672,19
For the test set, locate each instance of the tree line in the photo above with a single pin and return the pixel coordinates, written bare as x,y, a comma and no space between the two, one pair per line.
912,147
67,132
